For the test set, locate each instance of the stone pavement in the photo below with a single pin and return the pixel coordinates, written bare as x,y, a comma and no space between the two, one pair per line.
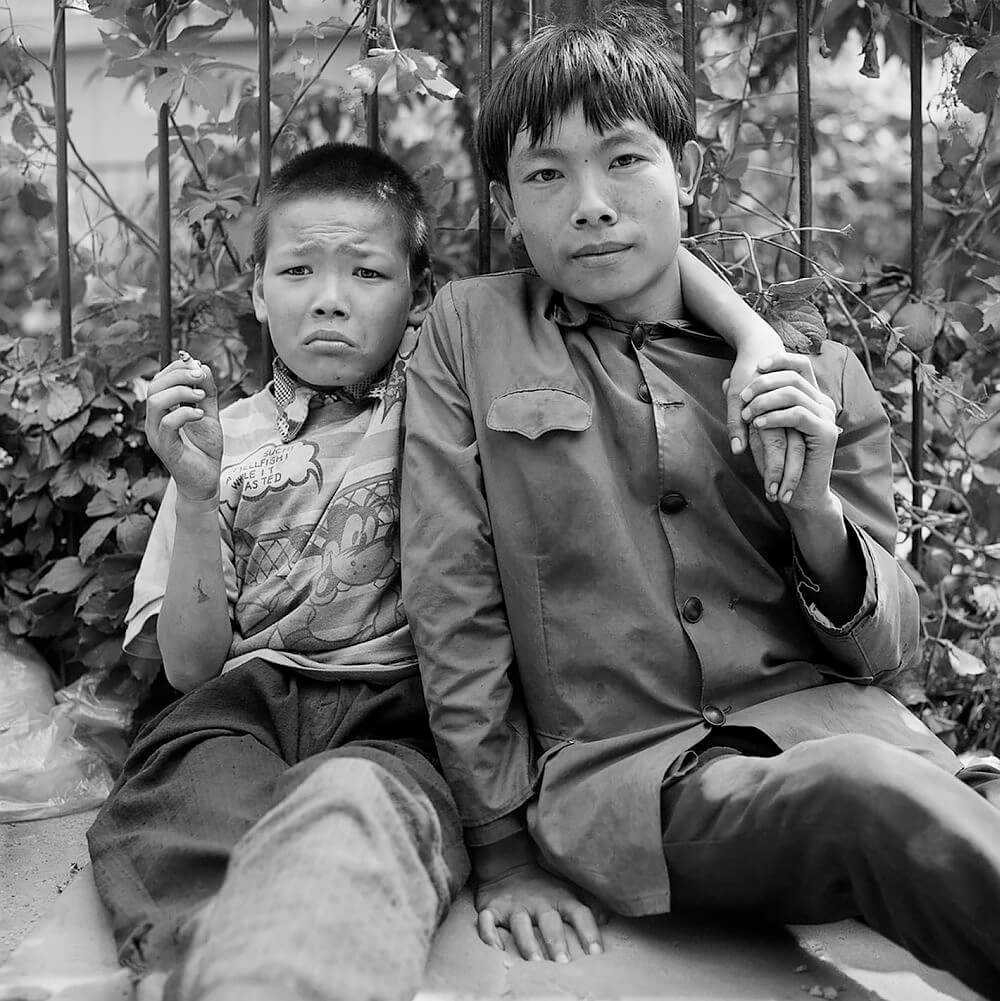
57,945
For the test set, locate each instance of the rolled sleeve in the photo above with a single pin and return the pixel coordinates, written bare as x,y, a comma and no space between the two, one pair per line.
452,592
881,637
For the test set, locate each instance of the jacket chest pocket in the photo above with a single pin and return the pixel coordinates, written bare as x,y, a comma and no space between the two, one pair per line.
532,413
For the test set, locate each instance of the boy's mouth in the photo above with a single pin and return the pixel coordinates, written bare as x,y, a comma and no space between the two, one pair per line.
327,335
595,251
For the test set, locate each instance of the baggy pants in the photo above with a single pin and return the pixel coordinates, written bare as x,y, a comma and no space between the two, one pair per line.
846,826
275,836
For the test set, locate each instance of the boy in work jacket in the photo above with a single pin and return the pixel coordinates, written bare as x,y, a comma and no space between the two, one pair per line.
644,674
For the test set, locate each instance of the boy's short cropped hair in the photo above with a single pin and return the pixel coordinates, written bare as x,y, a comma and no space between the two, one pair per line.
622,65
349,171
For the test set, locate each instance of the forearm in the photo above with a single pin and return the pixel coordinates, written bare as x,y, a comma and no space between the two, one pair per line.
832,558
712,301
194,631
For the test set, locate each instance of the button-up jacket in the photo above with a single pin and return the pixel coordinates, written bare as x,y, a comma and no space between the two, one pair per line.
594,581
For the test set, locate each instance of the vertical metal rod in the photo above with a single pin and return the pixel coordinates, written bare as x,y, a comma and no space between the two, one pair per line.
264,153
372,139
689,48
485,81
62,188
916,264
163,206
804,134
531,18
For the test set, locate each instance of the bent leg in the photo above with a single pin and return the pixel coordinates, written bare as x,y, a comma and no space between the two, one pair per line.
196,779
842,827
333,896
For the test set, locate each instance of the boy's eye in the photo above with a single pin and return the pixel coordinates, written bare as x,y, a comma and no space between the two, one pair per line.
296,270
545,174
367,273
626,160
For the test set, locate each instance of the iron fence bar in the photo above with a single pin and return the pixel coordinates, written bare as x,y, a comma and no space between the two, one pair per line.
690,34
916,266
264,151
371,100
485,81
163,204
62,178
804,134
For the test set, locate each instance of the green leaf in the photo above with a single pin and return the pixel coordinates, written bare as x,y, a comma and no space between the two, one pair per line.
980,80
22,128
66,482
935,8
132,532
91,540
63,401
798,323
799,288
962,663
66,575
367,73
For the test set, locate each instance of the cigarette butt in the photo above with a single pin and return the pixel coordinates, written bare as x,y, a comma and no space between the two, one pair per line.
183,355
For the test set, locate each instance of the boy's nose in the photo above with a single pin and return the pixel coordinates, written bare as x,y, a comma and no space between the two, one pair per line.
331,303
594,208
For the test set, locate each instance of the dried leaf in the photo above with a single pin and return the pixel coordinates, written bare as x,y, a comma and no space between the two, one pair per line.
798,323
962,662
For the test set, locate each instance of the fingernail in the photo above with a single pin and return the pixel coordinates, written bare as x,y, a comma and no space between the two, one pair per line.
745,413
761,365
595,949
772,490
736,445
759,422
199,392
746,396
561,957
786,497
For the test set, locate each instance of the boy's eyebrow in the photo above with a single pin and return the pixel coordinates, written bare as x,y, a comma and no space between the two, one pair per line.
355,249
619,135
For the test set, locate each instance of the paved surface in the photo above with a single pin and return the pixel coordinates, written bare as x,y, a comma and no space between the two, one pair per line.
55,937
38,858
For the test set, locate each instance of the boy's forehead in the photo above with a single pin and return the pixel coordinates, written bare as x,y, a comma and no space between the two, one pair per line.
322,218
571,129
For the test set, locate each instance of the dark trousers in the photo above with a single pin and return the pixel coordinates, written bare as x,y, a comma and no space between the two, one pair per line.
847,826
205,770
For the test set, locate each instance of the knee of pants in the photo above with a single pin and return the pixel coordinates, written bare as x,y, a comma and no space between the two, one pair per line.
857,777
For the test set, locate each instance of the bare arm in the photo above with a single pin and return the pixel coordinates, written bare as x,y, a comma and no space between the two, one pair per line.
193,630
779,453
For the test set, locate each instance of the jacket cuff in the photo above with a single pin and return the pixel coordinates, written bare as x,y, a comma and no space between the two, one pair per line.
496,830
807,589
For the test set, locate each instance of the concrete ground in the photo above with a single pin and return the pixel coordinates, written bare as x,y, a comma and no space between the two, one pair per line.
55,939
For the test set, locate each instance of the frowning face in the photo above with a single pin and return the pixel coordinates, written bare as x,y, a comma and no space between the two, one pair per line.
336,288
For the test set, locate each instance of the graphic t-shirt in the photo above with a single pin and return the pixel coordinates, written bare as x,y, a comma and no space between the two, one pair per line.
309,518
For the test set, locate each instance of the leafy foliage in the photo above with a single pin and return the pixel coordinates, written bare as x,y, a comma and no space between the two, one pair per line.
80,486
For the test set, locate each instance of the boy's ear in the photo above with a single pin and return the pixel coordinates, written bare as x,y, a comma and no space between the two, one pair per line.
257,292
502,197
688,172
421,296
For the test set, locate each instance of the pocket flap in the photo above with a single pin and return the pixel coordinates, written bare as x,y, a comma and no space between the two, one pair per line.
533,412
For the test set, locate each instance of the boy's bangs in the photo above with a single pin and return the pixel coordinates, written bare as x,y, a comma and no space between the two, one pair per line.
592,69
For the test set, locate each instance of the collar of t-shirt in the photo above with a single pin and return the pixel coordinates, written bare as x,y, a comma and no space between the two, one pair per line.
293,399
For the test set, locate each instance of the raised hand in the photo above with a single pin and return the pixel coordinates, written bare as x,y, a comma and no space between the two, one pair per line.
527,897
183,429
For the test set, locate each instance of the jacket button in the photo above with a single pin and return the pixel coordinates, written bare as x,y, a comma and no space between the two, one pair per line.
713,715
673,503
692,609
638,336
644,394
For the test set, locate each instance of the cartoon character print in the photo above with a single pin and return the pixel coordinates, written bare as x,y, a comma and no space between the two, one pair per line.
351,548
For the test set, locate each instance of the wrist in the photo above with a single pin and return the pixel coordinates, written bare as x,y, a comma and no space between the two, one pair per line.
197,509
490,862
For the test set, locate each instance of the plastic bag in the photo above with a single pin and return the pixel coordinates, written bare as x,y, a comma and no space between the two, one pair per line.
45,770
